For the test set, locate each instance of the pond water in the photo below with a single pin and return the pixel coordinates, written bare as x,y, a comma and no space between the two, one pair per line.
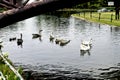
48,56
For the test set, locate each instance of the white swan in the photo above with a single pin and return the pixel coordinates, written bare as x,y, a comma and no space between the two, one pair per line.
87,42
86,45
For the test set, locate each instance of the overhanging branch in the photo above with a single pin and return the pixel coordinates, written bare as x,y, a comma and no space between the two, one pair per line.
8,4
34,9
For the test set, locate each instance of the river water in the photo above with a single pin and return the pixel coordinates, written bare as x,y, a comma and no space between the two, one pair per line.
46,56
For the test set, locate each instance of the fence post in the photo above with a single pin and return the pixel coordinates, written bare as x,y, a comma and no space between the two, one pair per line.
99,16
111,17
91,14
84,14
79,14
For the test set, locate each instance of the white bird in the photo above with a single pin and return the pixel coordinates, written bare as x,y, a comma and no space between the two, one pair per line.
86,45
87,42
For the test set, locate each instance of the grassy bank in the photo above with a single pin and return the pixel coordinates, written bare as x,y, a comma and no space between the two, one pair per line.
7,72
103,17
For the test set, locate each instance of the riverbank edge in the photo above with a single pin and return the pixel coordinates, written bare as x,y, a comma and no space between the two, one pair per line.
90,20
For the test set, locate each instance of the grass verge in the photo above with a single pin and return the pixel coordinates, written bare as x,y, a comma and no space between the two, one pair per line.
103,17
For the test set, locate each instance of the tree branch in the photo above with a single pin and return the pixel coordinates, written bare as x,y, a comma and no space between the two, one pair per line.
8,4
34,9
3,5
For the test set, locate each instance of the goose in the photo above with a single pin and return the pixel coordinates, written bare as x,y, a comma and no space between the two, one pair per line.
64,42
37,35
20,40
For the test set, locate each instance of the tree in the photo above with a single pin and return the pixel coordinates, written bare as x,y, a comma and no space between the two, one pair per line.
94,4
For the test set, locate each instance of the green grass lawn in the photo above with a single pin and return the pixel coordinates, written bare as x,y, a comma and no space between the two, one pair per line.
105,17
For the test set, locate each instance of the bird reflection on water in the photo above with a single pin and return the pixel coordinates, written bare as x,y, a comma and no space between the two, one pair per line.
82,53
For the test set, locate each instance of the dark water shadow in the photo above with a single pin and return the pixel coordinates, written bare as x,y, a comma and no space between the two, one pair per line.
82,52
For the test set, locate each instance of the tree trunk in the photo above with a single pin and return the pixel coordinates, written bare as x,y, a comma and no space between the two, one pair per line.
34,9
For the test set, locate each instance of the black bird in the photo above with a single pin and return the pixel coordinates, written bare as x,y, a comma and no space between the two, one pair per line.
20,40
12,39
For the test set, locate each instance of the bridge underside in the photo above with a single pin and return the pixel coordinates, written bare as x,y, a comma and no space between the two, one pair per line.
34,9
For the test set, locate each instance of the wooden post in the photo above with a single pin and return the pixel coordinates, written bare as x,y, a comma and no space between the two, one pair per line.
99,16
111,17
79,14
91,14
84,14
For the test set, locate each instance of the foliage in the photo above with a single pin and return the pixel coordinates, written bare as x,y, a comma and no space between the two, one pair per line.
94,4
20,69
7,72
2,9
